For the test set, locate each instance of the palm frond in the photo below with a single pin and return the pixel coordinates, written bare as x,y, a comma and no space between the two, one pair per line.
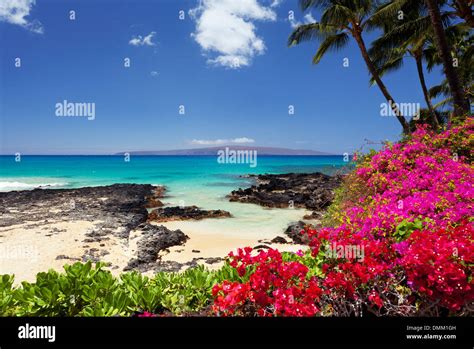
337,15
444,103
387,43
309,32
392,64
388,11
431,56
439,90
334,42
307,4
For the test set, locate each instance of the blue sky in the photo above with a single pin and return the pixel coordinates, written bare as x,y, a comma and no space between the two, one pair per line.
182,62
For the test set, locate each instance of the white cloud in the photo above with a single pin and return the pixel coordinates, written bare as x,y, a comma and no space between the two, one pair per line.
15,11
139,40
243,140
226,32
276,3
154,73
240,140
307,19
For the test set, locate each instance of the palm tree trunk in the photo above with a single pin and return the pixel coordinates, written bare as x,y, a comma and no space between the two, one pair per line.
461,106
380,84
421,76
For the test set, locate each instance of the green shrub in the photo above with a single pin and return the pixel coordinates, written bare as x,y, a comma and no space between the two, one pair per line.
6,294
84,289
314,263
405,228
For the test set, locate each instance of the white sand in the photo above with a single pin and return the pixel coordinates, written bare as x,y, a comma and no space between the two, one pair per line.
27,250
33,247
206,238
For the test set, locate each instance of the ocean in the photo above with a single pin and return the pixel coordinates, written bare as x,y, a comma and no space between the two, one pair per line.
190,180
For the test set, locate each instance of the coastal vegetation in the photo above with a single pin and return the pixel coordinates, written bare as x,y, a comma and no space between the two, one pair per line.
84,289
408,207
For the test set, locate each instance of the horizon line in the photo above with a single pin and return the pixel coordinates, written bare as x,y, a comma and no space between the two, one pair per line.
168,152
166,155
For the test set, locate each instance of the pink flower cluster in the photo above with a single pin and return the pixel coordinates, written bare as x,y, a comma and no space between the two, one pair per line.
413,180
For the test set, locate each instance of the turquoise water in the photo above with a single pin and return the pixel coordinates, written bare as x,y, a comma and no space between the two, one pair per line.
172,171
197,180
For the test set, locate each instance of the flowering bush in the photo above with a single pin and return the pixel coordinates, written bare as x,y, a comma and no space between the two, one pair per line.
274,287
412,180
406,209
439,265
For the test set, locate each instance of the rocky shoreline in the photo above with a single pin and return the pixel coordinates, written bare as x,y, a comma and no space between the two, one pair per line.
116,210
177,213
313,191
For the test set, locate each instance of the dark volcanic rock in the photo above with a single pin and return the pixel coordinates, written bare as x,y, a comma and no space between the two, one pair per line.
153,200
314,215
260,247
154,239
294,232
172,266
179,213
313,191
61,256
91,255
115,210
120,205
213,260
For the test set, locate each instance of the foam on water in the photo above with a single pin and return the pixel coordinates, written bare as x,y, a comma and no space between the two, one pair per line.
16,185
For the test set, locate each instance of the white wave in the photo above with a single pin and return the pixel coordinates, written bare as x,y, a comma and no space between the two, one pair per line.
15,185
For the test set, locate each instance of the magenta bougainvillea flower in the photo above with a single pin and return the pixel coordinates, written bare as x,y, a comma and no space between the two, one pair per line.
426,181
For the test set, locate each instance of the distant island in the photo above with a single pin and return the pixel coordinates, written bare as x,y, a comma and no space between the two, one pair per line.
213,151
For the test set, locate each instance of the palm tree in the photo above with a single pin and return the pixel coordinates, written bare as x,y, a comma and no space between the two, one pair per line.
340,20
401,39
461,105
395,61
462,42
463,9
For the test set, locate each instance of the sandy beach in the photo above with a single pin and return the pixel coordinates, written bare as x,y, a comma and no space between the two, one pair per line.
47,228
34,247
30,248
205,243
140,226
